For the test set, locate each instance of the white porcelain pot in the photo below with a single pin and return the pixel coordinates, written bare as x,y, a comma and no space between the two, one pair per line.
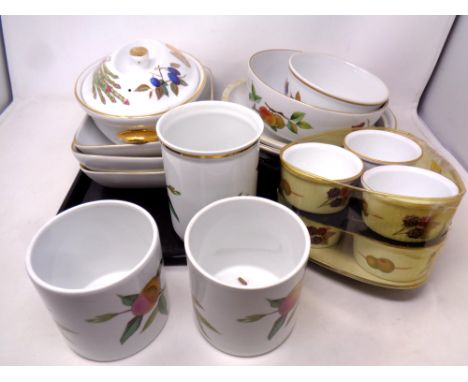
246,258
98,268
210,151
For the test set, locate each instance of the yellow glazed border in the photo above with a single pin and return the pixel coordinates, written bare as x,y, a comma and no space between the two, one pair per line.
391,198
82,77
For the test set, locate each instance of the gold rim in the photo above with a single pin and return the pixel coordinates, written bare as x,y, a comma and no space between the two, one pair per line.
368,281
210,156
257,78
308,175
129,172
318,90
378,161
83,76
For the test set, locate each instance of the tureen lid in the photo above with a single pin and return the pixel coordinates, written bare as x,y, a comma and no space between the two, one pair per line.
144,78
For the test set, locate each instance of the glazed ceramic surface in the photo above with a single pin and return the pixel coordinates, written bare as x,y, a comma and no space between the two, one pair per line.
335,84
132,87
321,235
117,163
394,263
246,258
127,179
376,147
238,92
287,117
409,204
306,172
98,268
210,151
90,140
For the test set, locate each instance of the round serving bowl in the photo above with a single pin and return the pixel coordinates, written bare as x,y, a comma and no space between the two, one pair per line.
378,147
333,83
408,204
314,176
289,118
131,88
394,263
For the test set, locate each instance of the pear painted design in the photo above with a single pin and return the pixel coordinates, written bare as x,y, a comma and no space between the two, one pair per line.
150,299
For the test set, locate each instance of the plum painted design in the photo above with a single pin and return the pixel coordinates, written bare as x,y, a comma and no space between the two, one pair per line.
337,197
150,300
284,307
320,235
162,80
275,119
415,227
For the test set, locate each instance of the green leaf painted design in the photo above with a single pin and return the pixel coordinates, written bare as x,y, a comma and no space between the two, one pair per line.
159,92
292,127
142,88
131,328
204,321
304,125
182,82
252,318
150,319
197,304
291,315
253,95
173,190
297,116
128,300
164,88
174,88
102,318
162,304
275,303
276,326
171,207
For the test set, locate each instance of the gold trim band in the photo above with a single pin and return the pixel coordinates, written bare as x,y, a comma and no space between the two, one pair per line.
305,83
212,156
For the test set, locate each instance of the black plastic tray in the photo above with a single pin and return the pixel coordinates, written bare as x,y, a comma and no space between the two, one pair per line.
155,201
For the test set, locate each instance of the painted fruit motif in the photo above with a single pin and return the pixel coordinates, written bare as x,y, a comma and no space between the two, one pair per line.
150,299
320,235
337,197
415,227
285,307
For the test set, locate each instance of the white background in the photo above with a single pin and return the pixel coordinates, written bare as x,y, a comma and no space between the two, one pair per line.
339,321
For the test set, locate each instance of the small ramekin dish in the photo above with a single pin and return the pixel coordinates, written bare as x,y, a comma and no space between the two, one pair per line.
394,263
314,176
287,117
382,147
335,84
408,204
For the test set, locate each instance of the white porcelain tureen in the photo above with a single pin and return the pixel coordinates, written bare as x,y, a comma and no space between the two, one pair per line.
132,87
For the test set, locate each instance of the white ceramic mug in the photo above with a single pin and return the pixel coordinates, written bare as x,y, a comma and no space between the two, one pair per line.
210,151
246,258
98,268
